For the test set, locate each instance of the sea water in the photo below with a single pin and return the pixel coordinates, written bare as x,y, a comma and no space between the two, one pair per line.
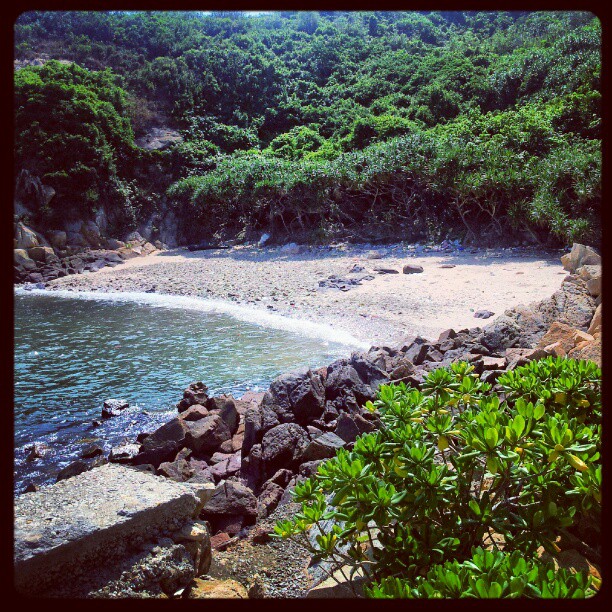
75,350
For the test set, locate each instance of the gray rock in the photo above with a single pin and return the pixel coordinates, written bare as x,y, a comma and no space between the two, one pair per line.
73,469
323,447
483,314
164,443
73,529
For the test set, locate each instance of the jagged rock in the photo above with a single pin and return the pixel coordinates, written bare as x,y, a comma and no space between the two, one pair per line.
375,254
252,429
281,478
386,271
180,469
323,447
114,244
194,413
283,446
503,333
349,426
561,334
344,380
195,393
493,363
205,435
227,467
23,260
590,351
225,407
124,453
57,238
309,468
595,325
271,494
520,356
113,407
580,255
231,498
93,450
417,350
483,314
447,334
164,443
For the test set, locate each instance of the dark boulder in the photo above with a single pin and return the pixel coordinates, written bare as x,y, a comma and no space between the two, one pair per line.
75,468
323,447
195,393
205,435
343,379
93,450
164,443
231,498
225,407
282,447
194,413
271,494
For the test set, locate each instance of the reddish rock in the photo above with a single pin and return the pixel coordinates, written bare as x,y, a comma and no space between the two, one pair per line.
206,435
194,413
220,541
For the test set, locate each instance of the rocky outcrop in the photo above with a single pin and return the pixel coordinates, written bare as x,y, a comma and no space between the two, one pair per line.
85,535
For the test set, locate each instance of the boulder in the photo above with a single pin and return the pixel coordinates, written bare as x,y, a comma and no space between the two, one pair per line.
271,494
252,429
291,249
23,260
297,396
225,407
283,446
26,238
92,450
349,426
412,269
164,443
323,447
227,467
205,435
561,335
114,244
73,469
195,393
231,498
343,380
580,255
194,413
590,351
503,333
520,356
113,408
375,254
57,239
91,233
595,325
124,453
483,314
43,254
178,470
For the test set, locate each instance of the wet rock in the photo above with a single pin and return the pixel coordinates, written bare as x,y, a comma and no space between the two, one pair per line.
73,469
195,393
113,407
164,443
38,450
124,453
93,450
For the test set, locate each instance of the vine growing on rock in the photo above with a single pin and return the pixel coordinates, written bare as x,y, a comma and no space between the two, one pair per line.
458,468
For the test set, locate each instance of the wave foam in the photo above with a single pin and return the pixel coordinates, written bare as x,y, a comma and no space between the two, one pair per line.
247,314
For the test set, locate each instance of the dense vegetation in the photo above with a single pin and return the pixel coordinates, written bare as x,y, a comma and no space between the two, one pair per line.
385,124
456,469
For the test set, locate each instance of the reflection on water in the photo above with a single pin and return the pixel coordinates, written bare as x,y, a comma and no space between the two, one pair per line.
72,354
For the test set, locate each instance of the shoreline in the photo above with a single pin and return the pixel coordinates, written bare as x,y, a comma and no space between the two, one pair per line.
369,299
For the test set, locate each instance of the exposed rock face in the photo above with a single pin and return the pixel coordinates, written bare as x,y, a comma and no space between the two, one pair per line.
77,533
580,255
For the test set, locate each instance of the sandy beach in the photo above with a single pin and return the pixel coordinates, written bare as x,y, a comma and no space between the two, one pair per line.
384,309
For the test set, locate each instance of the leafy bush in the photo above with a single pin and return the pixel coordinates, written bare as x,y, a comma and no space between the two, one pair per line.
456,467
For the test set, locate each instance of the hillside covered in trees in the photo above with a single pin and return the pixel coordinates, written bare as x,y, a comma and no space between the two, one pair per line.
361,125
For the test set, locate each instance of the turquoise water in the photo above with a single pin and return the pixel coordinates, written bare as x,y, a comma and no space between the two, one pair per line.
73,353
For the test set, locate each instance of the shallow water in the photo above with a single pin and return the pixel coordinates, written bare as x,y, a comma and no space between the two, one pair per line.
72,353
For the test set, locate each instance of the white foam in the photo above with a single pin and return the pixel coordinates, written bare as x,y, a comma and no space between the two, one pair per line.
240,312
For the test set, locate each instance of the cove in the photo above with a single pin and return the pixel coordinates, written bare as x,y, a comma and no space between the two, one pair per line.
73,351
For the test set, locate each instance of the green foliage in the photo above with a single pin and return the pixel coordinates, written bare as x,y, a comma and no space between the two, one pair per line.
488,574
506,106
454,468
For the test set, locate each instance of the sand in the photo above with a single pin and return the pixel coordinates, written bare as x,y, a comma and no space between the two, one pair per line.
384,310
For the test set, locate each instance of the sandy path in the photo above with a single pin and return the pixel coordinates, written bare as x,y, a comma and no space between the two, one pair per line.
382,310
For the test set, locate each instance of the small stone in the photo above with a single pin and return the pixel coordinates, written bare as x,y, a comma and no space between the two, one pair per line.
483,314
412,269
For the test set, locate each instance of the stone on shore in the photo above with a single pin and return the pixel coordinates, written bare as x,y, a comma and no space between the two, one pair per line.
113,407
76,530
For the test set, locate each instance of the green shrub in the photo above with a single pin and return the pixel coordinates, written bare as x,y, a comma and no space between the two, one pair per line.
456,467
